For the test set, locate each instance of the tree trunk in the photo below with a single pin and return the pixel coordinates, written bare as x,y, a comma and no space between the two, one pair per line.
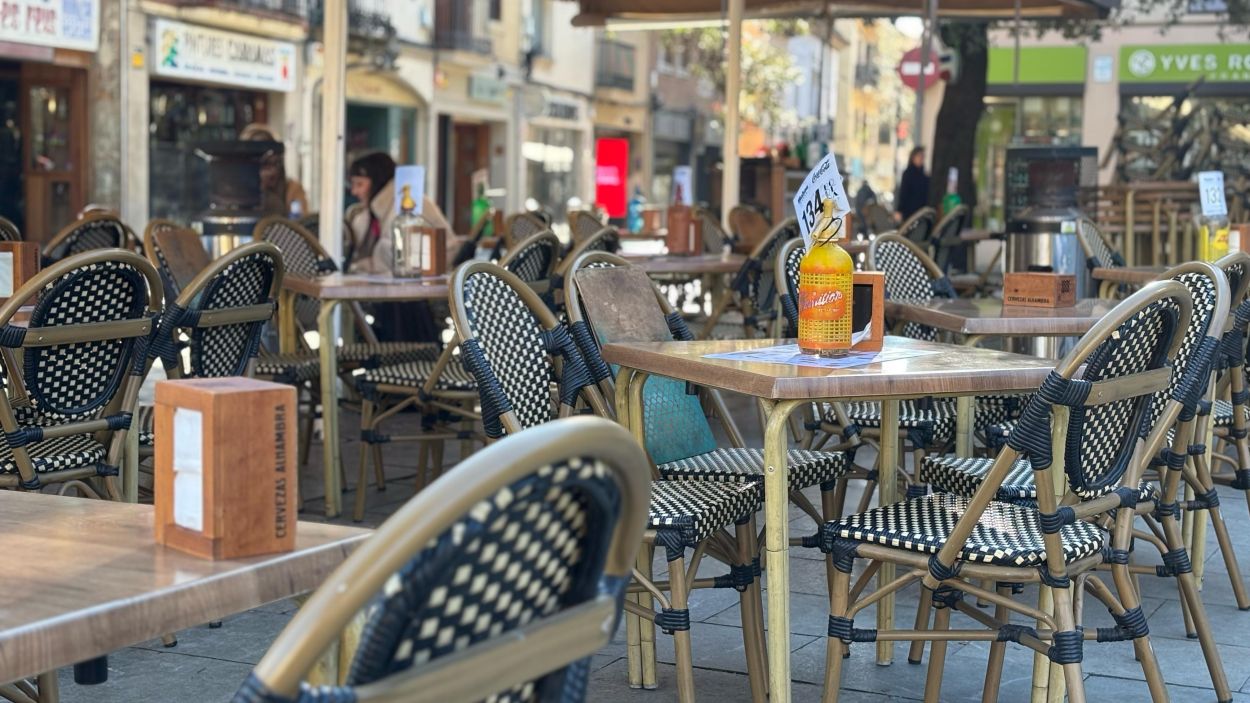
955,138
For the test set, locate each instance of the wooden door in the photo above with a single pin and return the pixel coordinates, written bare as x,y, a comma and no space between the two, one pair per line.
471,153
54,129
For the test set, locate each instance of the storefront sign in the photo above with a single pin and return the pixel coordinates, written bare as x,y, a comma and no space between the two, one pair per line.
64,24
487,89
1038,64
611,174
1184,63
203,54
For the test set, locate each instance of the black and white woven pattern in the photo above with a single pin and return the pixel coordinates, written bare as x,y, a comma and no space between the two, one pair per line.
919,226
906,278
300,257
57,454
793,258
760,271
384,353
144,424
533,260
714,235
696,510
964,475
295,368
746,465
1101,255
414,374
531,551
1222,413
1203,291
92,234
935,416
524,227
226,350
75,379
511,341
1006,534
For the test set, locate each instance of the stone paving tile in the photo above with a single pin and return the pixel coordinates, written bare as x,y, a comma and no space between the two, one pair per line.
146,676
1110,688
241,638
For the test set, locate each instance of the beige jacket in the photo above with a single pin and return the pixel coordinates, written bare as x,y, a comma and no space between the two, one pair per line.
370,256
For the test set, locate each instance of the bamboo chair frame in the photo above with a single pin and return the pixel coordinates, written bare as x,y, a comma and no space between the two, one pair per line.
9,231
759,261
1086,229
738,552
918,229
129,242
520,655
1056,635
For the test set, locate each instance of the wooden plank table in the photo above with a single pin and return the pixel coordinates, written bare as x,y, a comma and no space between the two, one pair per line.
982,317
963,374
330,291
696,265
1128,275
86,578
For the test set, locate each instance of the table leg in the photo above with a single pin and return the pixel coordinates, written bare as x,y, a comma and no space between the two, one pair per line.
887,493
287,332
330,409
777,548
964,415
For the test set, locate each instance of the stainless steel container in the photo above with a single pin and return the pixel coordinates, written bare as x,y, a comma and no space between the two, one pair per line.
1045,239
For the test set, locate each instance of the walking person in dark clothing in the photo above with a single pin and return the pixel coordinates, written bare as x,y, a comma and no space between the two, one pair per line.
913,187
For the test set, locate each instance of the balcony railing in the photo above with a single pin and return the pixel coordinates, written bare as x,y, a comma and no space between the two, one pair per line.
616,65
366,19
296,9
461,25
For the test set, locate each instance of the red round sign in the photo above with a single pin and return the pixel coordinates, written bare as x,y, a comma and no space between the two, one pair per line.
909,69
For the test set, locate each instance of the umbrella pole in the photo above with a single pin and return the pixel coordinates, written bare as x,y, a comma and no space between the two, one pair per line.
926,52
333,117
733,78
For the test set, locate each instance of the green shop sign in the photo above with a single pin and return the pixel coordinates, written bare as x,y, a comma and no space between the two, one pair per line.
1038,64
1184,63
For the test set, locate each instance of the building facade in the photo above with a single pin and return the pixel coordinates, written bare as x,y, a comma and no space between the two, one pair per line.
622,102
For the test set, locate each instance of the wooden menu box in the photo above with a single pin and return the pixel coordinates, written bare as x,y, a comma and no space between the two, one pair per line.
226,485
19,262
1039,290
868,311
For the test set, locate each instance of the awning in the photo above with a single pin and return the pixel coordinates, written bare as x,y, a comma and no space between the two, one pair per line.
598,12
374,87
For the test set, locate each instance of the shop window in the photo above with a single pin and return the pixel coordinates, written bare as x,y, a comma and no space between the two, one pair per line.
551,167
536,30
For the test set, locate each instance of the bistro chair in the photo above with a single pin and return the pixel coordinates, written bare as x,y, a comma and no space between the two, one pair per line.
514,563
714,235
753,292
101,229
1093,428
443,388
1231,417
516,349
748,225
84,357
520,226
213,330
1099,253
945,237
9,231
584,224
878,219
919,227
605,239
1191,366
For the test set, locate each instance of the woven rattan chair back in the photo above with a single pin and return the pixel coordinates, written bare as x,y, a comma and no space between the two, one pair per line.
535,259
946,234
675,426
9,231
584,223
756,282
520,226
515,348
748,225
92,231
84,349
919,227
909,275
302,255
786,272
714,235
514,562
1099,253
221,314
878,219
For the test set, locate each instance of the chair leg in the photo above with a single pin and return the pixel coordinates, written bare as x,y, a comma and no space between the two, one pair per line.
1227,551
130,467
647,627
750,606
937,657
306,431
998,652
1066,621
49,687
679,595
362,474
839,596
915,654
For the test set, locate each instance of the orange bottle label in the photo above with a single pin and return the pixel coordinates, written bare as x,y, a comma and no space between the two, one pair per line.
824,310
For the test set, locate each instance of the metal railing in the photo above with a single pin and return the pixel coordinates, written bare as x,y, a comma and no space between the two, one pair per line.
297,9
461,25
615,67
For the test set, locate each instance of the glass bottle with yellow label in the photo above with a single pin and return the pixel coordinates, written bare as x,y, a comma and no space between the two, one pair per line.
826,284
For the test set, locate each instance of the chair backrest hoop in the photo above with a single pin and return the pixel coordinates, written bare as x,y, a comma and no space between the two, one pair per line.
70,235
534,259
919,227
431,513
9,231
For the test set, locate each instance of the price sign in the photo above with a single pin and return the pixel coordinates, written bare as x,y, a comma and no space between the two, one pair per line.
1211,192
823,183
412,178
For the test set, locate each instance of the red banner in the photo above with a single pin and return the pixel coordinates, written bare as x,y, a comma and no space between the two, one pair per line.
612,174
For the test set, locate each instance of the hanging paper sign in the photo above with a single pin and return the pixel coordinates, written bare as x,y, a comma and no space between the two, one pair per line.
410,181
1211,193
823,183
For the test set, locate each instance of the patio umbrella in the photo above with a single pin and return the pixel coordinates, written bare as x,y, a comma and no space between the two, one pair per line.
621,13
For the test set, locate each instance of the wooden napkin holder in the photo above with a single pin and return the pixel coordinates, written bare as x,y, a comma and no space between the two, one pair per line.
1037,289
683,238
19,262
226,485
868,311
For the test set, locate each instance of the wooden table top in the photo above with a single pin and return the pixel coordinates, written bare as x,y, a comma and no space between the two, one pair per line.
366,287
954,370
698,264
987,316
85,578
1132,275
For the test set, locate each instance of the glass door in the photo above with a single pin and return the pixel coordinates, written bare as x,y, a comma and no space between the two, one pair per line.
54,129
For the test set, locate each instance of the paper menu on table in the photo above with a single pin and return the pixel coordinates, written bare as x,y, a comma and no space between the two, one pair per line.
1211,194
823,183
189,469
